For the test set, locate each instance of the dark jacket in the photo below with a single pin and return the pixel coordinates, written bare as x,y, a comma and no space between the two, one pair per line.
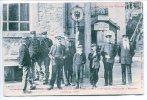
125,54
34,47
94,60
24,57
45,46
79,59
109,49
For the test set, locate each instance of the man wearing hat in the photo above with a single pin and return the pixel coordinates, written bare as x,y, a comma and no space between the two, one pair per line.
25,64
68,62
79,60
45,46
94,58
108,52
57,55
126,52
34,50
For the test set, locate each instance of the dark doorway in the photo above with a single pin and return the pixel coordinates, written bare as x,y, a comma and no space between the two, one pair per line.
94,36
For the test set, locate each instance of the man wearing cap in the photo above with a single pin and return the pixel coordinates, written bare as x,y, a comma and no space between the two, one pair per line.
108,52
79,60
25,64
34,50
94,58
57,55
126,52
68,62
45,45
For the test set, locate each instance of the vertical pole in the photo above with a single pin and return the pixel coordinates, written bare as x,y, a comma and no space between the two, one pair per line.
77,33
87,40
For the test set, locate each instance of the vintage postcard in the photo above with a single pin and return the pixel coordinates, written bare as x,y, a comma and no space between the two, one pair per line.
72,48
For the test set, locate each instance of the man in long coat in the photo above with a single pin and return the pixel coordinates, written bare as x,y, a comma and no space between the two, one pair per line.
126,52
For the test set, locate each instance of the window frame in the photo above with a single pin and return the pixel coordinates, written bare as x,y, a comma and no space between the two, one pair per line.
7,21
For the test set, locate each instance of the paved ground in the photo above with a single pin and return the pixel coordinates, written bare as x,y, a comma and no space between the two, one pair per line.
14,88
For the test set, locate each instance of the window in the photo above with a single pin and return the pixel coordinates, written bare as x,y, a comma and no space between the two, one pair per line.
16,17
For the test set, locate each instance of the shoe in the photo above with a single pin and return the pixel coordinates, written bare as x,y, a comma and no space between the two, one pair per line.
110,84
73,84
106,85
32,87
50,87
123,83
26,92
77,87
59,87
45,82
66,84
94,85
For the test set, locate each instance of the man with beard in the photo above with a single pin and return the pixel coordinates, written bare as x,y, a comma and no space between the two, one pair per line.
126,52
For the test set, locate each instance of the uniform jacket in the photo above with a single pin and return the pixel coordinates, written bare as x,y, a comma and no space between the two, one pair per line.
34,47
94,60
125,54
24,57
109,49
45,46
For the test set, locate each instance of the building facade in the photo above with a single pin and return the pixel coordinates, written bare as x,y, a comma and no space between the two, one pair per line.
99,18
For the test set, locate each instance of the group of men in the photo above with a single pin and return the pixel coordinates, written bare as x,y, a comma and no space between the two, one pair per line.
67,63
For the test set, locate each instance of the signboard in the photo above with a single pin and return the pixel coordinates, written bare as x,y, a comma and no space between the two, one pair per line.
103,17
101,26
102,11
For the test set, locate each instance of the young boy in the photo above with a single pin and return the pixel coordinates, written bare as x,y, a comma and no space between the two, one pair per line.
79,60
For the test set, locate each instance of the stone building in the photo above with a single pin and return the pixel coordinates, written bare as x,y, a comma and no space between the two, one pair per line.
55,18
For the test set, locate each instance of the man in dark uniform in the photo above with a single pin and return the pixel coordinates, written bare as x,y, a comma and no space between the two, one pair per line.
79,60
108,52
68,62
25,64
126,52
57,55
34,50
45,45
